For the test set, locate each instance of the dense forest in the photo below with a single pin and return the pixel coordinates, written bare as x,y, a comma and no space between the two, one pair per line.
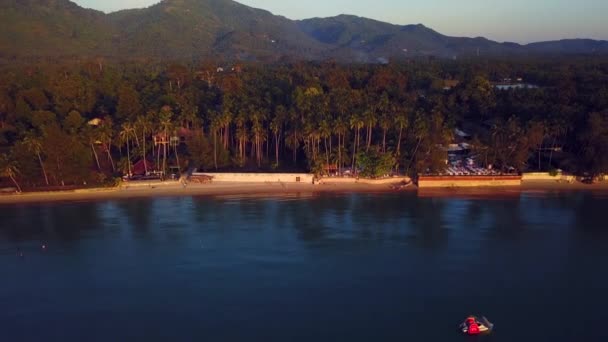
86,122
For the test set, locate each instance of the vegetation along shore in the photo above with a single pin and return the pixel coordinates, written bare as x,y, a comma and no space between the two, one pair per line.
90,122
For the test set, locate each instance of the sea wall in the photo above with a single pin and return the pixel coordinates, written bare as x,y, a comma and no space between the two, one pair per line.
467,181
352,180
545,176
260,177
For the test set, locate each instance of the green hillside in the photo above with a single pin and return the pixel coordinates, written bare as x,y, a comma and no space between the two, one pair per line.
192,29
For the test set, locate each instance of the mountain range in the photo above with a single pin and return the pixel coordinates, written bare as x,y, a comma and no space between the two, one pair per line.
194,29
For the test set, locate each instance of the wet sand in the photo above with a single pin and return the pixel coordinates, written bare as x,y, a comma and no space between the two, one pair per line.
557,185
173,189
220,189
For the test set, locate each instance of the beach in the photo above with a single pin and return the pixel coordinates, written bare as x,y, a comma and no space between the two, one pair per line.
174,189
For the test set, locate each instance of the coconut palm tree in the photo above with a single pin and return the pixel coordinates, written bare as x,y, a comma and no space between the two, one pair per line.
292,140
214,127
92,136
420,132
340,127
276,125
126,133
401,122
144,125
370,120
356,123
225,120
34,145
106,133
384,109
257,127
241,134
385,123
174,142
8,168
165,123
325,133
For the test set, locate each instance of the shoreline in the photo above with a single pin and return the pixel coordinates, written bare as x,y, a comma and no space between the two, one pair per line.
175,189
219,189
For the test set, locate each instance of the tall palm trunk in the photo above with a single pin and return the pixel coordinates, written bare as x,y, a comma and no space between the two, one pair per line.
339,155
10,174
215,149
110,157
355,147
398,154
46,178
165,154
258,152
413,156
276,148
295,146
384,141
326,153
551,152
176,157
369,137
94,154
399,141
128,156
143,152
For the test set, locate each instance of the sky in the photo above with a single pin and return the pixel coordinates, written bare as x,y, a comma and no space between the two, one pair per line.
521,21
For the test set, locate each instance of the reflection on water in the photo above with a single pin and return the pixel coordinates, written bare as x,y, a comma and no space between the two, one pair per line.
357,267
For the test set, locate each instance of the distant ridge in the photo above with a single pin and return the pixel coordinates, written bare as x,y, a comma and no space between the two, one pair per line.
185,29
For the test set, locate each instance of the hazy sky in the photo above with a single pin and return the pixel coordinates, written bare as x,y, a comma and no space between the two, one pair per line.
504,20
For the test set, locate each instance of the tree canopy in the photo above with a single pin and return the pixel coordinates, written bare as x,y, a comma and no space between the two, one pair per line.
77,122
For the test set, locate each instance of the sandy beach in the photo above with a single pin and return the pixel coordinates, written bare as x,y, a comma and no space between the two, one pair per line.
175,189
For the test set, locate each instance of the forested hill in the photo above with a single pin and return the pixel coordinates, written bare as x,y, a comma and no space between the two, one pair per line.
194,29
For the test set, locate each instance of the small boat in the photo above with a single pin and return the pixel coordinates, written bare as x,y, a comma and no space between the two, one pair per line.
475,326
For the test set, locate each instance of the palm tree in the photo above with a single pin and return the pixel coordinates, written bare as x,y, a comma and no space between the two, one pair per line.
241,134
401,122
385,124
257,127
106,133
165,118
92,136
558,129
385,109
35,146
165,125
356,123
370,120
325,133
276,126
340,127
215,126
9,169
420,132
174,141
125,135
225,121
144,125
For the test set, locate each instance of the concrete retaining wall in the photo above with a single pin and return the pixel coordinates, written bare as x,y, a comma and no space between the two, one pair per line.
467,181
545,176
260,177
352,180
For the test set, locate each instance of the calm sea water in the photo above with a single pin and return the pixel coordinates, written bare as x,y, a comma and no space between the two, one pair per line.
353,267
